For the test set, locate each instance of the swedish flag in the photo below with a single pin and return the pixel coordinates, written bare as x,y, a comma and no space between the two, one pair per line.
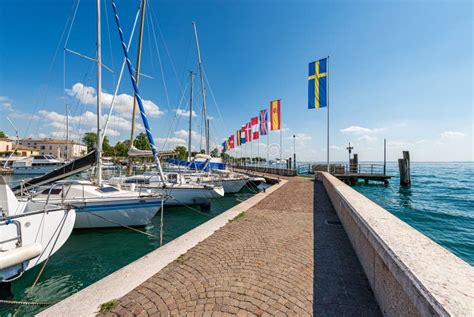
317,84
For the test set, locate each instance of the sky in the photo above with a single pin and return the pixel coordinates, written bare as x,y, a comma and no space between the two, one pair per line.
399,70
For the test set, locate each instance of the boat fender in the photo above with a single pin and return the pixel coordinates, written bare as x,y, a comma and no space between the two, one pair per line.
19,255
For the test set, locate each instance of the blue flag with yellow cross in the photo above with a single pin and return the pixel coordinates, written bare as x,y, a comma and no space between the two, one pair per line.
317,84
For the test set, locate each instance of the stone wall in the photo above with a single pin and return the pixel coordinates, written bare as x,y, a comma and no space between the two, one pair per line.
409,273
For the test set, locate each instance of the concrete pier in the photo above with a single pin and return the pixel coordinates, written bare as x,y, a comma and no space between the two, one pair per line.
263,263
304,247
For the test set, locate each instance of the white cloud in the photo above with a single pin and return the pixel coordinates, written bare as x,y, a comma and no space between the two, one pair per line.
6,103
86,122
356,130
123,103
183,113
336,147
366,138
451,136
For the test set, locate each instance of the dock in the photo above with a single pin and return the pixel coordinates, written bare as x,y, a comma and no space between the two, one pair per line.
304,247
262,264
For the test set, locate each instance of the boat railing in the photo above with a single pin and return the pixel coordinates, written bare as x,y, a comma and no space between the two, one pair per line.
18,230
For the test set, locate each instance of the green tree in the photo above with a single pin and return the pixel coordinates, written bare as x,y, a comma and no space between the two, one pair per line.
90,140
121,148
215,152
141,142
3,135
182,152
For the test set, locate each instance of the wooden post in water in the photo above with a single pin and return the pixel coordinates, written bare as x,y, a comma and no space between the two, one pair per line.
404,168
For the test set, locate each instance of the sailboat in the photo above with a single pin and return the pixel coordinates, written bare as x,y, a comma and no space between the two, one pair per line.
30,232
98,205
180,190
203,167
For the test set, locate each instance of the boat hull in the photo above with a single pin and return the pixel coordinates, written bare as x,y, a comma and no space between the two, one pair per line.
34,170
194,196
232,186
48,231
110,214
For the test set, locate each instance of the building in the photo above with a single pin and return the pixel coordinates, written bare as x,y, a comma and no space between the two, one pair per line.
57,148
6,145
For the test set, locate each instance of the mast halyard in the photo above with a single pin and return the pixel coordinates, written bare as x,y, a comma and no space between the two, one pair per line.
99,92
191,74
204,110
137,77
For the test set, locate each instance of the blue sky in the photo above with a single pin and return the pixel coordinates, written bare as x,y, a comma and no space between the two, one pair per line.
398,70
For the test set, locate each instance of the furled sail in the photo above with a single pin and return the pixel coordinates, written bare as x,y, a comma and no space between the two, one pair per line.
75,167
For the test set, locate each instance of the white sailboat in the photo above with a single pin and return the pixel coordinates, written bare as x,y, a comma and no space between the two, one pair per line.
29,232
100,205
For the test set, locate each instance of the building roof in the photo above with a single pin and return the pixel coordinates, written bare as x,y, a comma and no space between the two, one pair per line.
25,148
50,141
6,140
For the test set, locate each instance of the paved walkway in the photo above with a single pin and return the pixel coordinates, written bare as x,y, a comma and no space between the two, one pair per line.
262,264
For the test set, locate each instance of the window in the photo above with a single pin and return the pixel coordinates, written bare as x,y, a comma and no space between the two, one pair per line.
50,147
43,147
54,191
107,189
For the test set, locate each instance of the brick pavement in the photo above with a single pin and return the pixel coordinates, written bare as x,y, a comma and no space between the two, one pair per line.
261,264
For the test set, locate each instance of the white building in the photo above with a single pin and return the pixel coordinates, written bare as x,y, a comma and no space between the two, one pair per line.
57,148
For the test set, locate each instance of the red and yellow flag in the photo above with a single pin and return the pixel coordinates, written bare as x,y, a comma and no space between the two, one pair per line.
275,120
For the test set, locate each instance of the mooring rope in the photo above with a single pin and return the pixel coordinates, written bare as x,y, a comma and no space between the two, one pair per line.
125,226
22,302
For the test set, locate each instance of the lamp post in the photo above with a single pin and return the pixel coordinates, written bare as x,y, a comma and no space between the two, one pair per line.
294,152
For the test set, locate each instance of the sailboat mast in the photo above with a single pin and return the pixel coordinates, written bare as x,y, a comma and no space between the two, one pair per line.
66,156
99,92
204,111
190,114
137,77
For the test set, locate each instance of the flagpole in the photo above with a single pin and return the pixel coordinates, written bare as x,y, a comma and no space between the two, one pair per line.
251,152
258,150
268,142
281,137
327,100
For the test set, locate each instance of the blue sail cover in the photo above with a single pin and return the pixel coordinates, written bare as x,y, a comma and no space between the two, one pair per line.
198,166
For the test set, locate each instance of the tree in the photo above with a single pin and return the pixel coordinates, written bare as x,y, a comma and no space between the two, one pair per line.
215,152
3,135
121,148
182,152
141,142
90,140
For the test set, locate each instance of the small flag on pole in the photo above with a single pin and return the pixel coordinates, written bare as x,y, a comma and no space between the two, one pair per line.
263,122
254,122
231,142
317,84
224,147
238,137
275,115
242,134
248,132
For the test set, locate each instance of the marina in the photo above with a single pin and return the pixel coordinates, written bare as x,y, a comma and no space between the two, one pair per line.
192,159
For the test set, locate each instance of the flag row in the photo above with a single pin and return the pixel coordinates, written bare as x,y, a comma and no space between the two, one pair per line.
257,126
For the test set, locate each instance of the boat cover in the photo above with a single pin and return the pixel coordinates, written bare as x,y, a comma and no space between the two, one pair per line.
72,168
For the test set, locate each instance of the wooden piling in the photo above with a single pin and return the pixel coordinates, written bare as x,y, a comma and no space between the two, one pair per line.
404,168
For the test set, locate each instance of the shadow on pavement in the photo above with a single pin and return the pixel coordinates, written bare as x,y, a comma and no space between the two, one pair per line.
340,287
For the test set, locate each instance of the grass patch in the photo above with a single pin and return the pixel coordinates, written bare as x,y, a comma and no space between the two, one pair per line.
238,217
108,306
181,259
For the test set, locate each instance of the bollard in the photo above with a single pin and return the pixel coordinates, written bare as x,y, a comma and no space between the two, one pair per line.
404,169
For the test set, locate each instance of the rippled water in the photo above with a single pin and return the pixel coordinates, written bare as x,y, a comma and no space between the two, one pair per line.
440,203
89,255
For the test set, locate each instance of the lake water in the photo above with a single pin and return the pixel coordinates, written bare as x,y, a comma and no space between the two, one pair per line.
440,202
90,255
